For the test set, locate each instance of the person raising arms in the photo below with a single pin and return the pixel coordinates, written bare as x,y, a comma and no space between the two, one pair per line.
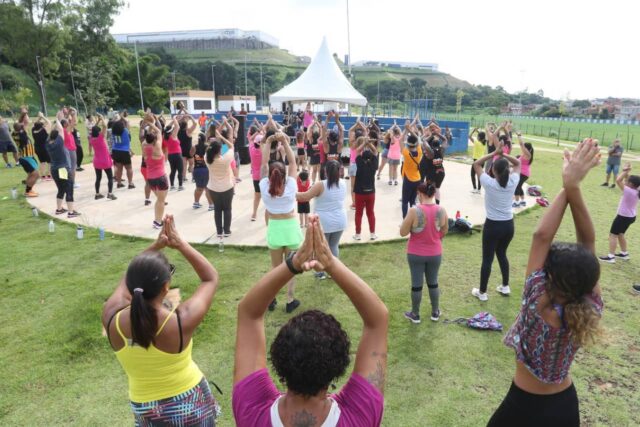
310,351
526,159
479,149
154,157
153,343
560,311
102,162
365,188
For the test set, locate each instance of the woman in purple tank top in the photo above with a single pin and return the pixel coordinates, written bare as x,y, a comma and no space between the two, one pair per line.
560,311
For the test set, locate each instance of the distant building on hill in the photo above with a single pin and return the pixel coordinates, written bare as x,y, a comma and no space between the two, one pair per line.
397,64
231,38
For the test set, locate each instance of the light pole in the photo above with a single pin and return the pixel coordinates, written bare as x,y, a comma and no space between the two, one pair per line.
41,84
73,83
213,86
135,49
245,75
173,79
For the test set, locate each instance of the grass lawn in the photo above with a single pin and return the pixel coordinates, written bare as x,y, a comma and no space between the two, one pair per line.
58,369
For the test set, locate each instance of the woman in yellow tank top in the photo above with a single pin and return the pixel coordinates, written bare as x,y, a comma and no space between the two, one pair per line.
153,343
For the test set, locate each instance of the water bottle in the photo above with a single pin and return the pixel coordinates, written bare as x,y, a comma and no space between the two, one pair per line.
52,226
457,214
101,233
34,211
14,193
80,232
221,246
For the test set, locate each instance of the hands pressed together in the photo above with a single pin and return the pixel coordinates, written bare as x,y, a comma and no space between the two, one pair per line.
577,164
314,253
168,236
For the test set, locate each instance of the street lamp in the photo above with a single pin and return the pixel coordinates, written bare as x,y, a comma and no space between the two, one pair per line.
41,84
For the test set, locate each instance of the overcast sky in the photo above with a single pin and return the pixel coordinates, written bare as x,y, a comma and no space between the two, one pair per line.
568,48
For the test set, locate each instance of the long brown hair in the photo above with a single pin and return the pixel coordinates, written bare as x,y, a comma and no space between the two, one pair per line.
277,175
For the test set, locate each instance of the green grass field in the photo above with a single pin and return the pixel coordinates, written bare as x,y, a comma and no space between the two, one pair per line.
58,369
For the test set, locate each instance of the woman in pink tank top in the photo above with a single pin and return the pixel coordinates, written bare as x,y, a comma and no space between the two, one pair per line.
101,158
426,224
156,175
395,153
526,159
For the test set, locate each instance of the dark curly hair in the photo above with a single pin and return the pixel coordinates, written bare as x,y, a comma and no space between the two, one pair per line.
310,351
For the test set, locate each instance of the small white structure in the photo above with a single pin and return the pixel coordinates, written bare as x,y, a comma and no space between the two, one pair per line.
194,101
238,102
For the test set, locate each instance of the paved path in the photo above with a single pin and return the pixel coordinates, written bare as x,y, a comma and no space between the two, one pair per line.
129,216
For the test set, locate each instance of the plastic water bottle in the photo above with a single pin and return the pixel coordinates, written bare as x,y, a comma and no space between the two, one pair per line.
221,246
457,214
52,226
101,233
14,193
80,233
34,211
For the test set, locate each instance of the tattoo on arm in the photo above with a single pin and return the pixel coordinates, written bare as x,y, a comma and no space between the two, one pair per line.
303,419
377,377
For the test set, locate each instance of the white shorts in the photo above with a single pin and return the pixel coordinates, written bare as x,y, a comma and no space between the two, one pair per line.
353,168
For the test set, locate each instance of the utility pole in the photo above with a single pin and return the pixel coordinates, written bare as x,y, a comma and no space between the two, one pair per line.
348,41
245,75
135,49
73,83
261,87
213,86
41,83
173,79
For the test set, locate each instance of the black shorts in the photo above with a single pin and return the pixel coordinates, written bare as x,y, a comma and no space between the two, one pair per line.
158,184
621,224
121,157
186,151
301,152
304,207
43,155
7,147
436,178
201,175
256,186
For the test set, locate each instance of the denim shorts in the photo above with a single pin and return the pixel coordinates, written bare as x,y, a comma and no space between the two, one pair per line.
613,168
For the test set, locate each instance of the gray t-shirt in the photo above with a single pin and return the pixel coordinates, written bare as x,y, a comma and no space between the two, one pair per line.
5,136
615,160
497,200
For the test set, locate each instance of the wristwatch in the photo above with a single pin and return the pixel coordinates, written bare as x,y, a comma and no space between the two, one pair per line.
289,262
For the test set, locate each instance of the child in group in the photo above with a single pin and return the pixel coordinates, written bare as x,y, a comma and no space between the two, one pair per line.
303,207
630,186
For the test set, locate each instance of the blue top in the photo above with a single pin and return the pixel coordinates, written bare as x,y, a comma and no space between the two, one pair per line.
497,200
121,142
330,207
58,154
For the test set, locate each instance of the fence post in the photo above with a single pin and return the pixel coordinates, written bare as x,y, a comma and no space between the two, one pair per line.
559,129
527,131
631,145
602,140
579,130
627,136
591,133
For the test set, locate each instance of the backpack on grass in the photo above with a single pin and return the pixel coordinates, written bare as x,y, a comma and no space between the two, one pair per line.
483,321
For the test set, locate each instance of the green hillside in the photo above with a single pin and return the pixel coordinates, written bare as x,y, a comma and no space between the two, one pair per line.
13,78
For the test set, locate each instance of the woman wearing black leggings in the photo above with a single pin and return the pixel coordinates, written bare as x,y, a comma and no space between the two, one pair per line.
498,228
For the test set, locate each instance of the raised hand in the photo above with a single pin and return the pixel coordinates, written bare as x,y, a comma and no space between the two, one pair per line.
304,255
576,165
323,258
173,237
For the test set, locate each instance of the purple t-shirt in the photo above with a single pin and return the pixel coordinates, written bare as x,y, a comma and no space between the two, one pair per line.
360,403
628,202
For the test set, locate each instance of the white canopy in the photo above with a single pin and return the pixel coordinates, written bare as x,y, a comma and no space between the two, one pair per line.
321,81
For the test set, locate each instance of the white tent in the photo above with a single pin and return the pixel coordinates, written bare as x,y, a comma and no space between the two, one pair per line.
321,81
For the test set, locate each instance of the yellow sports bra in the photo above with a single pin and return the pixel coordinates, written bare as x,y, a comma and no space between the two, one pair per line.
154,374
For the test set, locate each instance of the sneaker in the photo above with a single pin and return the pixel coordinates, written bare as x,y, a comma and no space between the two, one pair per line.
60,211
395,182
110,196
353,207
181,188
253,219
9,165
636,289
76,185
378,177
481,296
612,186
604,184
99,196
607,258
73,214
272,304
157,225
227,234
622,256
414,318
120,185
172,188
356,237
131,186
515,205
321,275
79,169
346,177
292,305
238,180
523,203
504,290
435,316
211,207
147,202
196,205
390,182
373,236
31,194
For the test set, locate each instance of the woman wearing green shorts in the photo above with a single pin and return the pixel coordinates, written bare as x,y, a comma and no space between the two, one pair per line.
278,189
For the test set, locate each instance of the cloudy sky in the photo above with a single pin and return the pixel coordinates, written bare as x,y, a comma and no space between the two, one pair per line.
568,48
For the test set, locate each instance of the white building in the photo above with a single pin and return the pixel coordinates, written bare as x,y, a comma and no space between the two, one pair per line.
629,112
195,101
238,102
398,64
160,37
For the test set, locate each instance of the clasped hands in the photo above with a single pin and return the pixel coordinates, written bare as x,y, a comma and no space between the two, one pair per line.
314,253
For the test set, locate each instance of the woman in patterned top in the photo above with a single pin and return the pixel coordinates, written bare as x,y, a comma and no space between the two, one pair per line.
560,312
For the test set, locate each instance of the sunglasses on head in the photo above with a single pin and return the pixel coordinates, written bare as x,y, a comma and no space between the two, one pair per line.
172,269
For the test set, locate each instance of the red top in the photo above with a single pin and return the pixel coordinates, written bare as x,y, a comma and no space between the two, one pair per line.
173,146
303,186
427,242
155,167
69,140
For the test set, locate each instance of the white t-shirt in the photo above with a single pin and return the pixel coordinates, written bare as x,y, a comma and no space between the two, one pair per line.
281,204
498,199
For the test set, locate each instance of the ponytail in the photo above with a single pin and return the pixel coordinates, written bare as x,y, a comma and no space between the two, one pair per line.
582,320
501,172
276,179
214,149
145,278
427,188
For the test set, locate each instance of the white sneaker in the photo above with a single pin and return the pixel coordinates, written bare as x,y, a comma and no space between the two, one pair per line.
356,237
481,296
373,236
504,290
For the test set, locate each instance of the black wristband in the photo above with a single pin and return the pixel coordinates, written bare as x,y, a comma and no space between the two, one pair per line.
289,262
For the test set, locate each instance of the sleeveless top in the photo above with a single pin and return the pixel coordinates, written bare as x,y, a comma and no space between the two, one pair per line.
525,166
330,207
198,157
185,140
155,167
101,157
428,241
334,152
154,374
546,351
394,148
